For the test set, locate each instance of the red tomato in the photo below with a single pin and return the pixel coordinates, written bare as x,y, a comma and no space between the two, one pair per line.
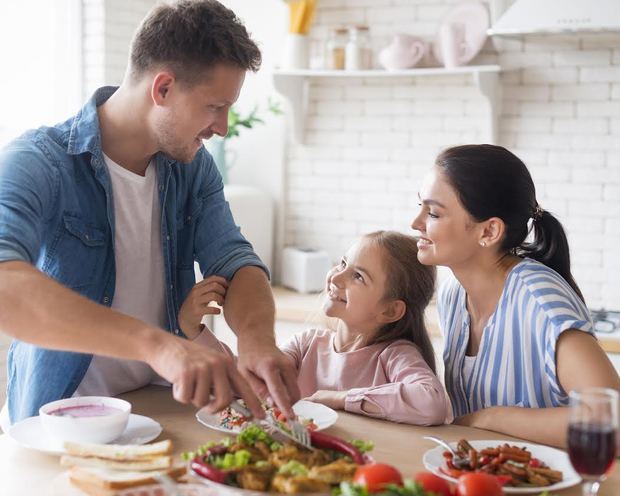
535,463
433,483
478,484
375,476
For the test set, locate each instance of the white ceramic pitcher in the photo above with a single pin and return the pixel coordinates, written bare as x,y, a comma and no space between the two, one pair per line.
403,52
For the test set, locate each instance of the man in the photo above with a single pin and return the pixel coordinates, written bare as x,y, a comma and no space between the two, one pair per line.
111,208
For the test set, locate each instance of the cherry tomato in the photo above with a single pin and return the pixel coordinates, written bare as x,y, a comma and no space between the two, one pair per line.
281,417
478,484
535,463
433,483
375,476
503,479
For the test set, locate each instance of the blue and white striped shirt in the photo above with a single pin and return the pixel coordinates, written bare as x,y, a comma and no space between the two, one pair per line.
515,364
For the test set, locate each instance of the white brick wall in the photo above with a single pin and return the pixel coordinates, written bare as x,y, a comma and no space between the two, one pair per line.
369,142
107,31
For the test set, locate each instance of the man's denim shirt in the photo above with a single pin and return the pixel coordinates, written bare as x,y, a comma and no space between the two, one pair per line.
56,212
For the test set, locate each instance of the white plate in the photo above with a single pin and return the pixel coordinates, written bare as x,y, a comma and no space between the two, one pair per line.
555,458
475,19
61,486
322,415
30,433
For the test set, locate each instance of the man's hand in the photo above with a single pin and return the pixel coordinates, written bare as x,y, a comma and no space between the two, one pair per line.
196,305
332,399
271,374
201,376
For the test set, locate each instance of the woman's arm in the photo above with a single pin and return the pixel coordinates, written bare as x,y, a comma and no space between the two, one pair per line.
580,362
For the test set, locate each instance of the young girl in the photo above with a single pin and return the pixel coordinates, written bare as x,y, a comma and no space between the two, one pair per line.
379,361
518,335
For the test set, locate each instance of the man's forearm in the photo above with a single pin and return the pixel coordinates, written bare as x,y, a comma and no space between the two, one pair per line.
36,309
249,308
541,425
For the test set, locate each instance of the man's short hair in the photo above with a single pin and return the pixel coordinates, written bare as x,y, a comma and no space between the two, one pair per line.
189,37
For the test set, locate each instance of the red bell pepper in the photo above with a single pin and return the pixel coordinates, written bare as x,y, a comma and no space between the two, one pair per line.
206,470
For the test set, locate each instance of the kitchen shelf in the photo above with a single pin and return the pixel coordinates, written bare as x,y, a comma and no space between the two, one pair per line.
294,86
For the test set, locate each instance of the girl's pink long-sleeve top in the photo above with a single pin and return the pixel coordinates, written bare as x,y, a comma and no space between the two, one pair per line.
392,376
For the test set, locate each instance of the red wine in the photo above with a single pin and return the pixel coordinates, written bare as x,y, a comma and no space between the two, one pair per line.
591,448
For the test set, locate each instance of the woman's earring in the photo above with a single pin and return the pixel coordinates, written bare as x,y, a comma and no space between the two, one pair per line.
483,243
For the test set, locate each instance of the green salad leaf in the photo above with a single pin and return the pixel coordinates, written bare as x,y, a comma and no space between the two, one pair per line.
251,434
409,488
293,467
234,460
363,446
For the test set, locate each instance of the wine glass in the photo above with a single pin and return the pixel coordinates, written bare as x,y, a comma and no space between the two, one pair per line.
592,434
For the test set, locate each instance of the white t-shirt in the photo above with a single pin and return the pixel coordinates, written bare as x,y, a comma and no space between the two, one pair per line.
140,290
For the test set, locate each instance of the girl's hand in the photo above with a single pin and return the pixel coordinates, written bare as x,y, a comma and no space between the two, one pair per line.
196,305
332,399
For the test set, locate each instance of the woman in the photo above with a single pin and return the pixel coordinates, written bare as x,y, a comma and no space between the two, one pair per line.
518,333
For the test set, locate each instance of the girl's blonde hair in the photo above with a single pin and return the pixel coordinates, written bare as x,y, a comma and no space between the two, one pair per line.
410,281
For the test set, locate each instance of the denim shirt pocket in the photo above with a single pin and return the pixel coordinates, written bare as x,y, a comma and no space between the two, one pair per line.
80,249
89,235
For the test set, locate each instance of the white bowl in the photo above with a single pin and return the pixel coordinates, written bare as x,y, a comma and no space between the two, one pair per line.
103,427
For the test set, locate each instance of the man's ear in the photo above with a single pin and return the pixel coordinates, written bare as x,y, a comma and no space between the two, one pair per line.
393,311
162,84
492,232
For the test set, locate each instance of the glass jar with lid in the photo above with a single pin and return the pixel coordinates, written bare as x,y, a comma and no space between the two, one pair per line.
335,49
357,52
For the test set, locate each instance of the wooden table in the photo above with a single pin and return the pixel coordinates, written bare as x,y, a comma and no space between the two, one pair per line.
25,472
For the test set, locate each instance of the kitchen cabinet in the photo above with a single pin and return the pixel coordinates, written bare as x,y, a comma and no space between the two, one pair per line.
294,86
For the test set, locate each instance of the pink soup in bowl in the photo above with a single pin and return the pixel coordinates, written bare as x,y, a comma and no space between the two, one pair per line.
86,419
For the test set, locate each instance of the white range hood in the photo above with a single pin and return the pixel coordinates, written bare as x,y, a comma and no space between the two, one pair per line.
558,16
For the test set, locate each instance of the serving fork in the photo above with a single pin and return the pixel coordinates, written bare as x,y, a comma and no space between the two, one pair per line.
298,434
457,459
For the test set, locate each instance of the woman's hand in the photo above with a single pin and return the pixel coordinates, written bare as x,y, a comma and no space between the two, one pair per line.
196,305
332,399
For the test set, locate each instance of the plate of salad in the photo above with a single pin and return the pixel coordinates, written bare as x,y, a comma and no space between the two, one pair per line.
314,416
253,463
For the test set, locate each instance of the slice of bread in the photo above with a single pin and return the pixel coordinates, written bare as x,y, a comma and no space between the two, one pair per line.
119,451
143,464
100,480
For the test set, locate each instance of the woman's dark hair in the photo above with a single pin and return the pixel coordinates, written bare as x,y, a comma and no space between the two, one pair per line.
410,281
189,37
490,182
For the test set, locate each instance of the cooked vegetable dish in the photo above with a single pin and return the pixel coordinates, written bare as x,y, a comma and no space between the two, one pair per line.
254,460
513,465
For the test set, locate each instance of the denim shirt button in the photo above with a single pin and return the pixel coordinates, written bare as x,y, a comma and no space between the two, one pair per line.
167,238
106,299
176,331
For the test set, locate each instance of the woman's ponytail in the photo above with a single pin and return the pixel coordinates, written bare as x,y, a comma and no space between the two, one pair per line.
549,246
